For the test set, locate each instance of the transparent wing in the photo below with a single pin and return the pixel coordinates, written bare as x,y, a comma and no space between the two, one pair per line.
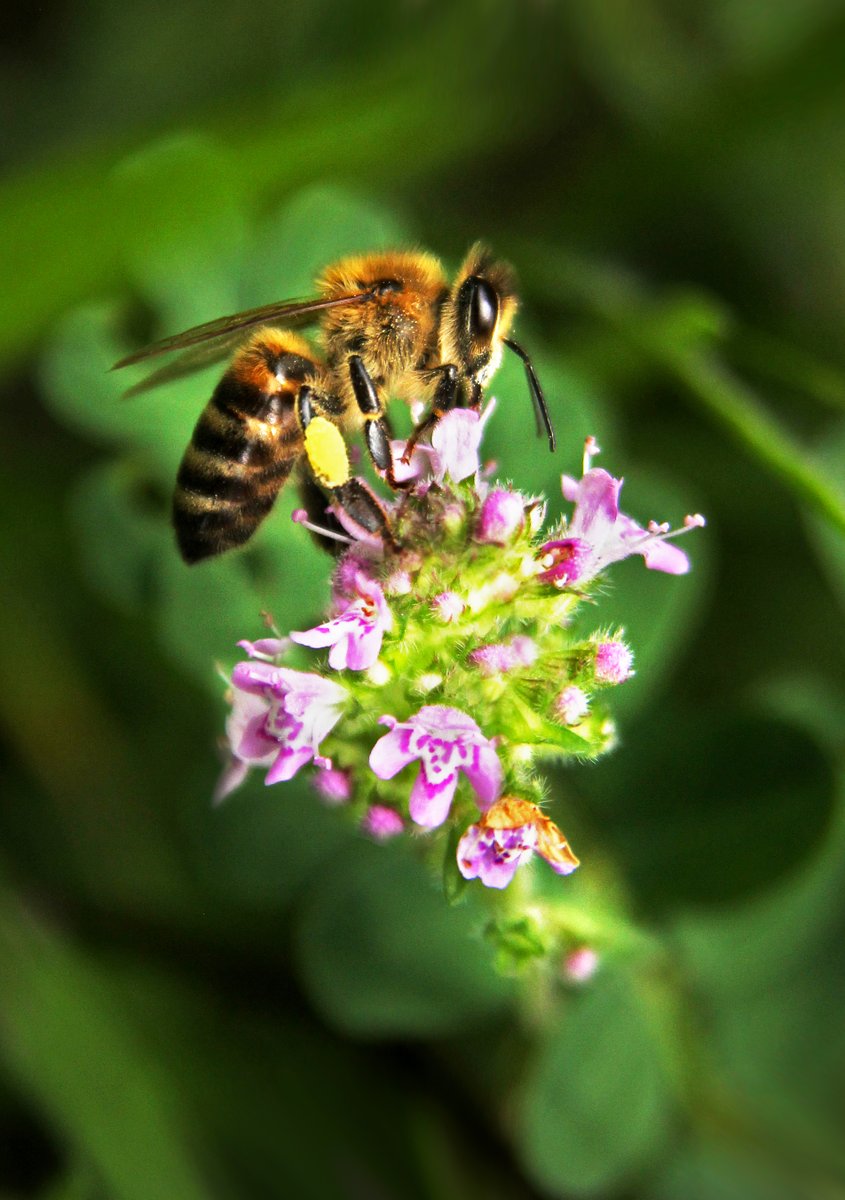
226,329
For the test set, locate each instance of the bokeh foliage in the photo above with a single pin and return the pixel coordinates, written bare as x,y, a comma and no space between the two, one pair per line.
254,1001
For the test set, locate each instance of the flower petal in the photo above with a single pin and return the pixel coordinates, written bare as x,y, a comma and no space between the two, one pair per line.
288,762
391,753
430,802
485,774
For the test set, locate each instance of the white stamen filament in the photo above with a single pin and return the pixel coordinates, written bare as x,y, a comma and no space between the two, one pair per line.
591,449
300,517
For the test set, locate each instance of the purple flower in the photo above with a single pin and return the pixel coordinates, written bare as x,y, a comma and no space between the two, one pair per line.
382,823
614,662
446,741
599,534
506,837
356,635
502,515
278,719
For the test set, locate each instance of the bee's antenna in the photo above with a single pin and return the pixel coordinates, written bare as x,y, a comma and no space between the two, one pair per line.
540,408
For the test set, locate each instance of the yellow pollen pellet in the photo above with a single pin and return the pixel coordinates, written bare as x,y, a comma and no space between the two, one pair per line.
326,452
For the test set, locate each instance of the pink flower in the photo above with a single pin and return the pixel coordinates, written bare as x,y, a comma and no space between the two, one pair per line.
382,823
455,443
507,835
278,719
614,662
356,635
502,515
446,741
599,534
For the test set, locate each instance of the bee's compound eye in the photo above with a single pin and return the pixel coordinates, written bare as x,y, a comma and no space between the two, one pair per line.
483,308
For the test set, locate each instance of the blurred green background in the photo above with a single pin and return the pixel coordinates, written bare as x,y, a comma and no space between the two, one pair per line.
254,1001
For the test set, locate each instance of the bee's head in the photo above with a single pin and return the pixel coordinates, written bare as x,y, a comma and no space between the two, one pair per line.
477,319
478,315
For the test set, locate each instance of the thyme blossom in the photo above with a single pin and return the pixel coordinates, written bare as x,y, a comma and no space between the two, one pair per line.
458,636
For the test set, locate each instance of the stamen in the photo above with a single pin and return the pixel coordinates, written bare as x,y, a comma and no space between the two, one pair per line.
300,517
591,449
662,532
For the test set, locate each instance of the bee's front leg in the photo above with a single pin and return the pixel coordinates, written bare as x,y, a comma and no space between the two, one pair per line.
376,431
445,398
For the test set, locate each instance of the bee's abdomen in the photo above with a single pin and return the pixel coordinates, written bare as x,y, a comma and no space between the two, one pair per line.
243,449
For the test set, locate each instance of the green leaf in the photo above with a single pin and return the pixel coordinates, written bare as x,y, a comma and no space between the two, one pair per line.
737,806
120,541
65,1035
185,253
314,228
381,955
596,1105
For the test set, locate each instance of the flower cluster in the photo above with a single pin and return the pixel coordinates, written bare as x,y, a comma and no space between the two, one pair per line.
454,669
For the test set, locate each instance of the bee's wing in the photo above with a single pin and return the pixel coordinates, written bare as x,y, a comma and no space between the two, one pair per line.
226,329
195,358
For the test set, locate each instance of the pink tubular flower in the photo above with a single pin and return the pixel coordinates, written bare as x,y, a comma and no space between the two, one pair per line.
614,662
446,741
356,635
599,534
502,515
278,719
456,441
509,832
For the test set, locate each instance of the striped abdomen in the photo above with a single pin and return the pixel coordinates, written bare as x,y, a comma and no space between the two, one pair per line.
243,448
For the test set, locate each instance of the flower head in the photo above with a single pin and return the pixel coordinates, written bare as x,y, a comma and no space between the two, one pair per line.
446,741
507,835
356,635
278,719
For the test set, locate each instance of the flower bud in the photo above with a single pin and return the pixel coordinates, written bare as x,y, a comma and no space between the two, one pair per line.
614,662
382,823
571,705
502,515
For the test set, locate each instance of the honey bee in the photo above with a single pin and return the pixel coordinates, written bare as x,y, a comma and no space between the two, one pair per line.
391,325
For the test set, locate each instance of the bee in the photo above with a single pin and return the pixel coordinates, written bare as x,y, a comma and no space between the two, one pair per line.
390,325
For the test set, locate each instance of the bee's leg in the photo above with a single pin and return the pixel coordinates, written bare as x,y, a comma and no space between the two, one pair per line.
445,398
376,429
364,513
329,463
